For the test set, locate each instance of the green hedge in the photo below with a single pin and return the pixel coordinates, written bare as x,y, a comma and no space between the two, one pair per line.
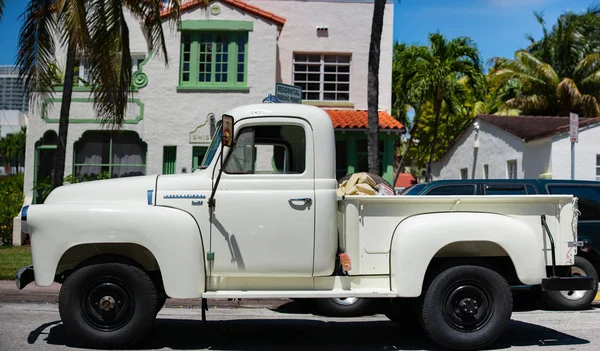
11,201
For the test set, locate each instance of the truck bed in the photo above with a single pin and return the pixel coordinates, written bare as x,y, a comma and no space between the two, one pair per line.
370,223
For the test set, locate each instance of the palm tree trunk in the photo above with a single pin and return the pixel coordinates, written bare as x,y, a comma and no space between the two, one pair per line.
413,131
437,108
373,87
63,126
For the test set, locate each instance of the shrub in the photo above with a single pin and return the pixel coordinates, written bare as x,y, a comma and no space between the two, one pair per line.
11,201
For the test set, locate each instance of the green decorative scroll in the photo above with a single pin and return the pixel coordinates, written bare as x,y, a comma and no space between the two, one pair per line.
47,101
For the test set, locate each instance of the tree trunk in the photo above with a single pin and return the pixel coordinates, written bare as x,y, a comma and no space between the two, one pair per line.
413,131
373,87
437,108
63,126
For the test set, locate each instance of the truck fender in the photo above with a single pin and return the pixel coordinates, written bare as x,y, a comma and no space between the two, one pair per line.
418,239
172,236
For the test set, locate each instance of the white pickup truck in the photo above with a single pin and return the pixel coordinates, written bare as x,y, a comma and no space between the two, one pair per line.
261,219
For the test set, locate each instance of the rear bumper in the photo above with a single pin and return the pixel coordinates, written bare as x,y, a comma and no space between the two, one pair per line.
568,283
24,277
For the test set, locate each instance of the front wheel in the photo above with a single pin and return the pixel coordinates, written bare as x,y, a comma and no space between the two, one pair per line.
108,305
466,307
574,299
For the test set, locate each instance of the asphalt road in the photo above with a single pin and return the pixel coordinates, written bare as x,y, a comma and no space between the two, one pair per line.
30,326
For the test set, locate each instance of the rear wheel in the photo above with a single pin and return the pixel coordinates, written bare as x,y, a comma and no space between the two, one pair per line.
466,307
345,306
574,299
108,305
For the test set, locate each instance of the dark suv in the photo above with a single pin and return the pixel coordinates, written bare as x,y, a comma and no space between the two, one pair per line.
587,260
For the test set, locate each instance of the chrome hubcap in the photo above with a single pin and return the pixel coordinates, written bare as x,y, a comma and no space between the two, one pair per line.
575,294
345,301
107,303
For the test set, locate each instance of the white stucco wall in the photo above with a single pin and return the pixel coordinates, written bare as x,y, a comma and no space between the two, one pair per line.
586,150
349,31
496,147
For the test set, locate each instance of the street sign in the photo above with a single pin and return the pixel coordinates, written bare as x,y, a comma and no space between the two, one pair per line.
574,127
288,93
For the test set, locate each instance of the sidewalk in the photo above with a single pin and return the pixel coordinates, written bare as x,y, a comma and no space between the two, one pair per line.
33,293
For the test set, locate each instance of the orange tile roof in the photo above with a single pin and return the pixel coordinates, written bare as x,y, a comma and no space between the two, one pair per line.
242,5
358,119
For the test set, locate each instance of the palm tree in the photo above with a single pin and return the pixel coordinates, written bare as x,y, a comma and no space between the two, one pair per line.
437,68
373,87
95,30
12,147
545,92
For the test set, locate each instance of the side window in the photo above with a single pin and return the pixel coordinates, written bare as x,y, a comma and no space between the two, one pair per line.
505,190
589,199
467,189
268,150
531,190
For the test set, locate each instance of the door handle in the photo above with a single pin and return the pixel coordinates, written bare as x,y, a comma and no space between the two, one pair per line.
305,199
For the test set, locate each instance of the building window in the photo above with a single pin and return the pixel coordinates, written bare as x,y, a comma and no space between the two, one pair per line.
464,173
100,154
597,167
214,59
323,77
486,172
169,159
198,153
511,169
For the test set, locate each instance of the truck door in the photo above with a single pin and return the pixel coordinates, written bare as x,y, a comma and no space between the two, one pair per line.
264,220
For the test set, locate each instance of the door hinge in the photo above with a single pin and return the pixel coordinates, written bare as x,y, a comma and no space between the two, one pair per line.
210,256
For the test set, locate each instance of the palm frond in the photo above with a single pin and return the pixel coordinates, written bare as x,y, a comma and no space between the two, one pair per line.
110,60
588,64
73,22
567,90
148,12
36,49
1,9
588,106
529,103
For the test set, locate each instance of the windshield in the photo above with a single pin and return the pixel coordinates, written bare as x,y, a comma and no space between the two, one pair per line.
212,149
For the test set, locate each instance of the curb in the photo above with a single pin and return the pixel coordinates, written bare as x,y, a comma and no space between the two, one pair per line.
33,293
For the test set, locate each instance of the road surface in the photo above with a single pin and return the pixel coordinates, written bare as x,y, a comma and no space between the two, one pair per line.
36,326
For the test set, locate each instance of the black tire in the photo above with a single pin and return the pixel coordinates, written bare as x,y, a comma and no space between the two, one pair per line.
466,307
129,297
342,307
402,312
574,300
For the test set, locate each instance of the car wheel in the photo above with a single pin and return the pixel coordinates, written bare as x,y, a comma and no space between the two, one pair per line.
574,299
466,307
108,305
345,306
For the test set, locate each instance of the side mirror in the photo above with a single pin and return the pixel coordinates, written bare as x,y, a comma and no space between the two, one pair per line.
227,135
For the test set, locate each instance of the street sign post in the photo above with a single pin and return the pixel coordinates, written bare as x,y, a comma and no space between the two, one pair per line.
288,93
574,136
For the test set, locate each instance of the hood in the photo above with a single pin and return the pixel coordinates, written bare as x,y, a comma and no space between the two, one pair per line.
130,190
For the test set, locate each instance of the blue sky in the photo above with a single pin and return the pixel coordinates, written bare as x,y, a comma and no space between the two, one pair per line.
497,26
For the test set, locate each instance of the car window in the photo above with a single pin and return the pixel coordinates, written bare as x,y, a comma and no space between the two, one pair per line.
508,189
268,150
531,190
466,189
412,190
589,199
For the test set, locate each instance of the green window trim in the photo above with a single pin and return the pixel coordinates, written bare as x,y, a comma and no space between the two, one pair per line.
44,111
109,164
169,160
213,60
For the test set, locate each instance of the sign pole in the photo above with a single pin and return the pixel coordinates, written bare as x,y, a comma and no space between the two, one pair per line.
574,136
572,160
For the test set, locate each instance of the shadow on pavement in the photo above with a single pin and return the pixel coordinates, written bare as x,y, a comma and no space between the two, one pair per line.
299,334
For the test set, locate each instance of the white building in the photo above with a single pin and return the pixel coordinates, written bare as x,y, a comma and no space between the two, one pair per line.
505,147
228,54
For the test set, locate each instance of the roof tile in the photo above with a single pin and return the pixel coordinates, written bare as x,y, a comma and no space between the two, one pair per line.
242,5
358,119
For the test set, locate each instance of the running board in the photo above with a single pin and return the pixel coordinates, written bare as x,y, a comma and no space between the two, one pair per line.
290,294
